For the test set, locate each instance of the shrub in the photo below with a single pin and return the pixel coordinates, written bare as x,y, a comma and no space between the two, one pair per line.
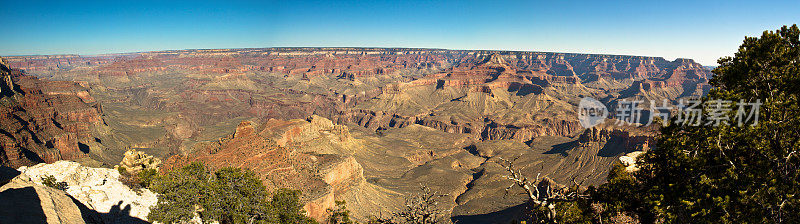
286,203
237,196
728,173
180,193
228,195
340,215
138,180
146,177
51,181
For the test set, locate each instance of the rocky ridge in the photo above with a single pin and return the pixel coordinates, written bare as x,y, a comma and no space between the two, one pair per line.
269,151
369,125
45,121
195,94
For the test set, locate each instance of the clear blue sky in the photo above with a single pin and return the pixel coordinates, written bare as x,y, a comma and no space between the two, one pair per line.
703,31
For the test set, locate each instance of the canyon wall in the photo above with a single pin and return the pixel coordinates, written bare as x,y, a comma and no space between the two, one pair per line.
44,121
364,125
347,85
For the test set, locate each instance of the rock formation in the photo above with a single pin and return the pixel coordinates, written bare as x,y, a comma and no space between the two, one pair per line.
44,121
193,95
624,138
270,152
364,125
99,189
24,201
134,161
629,161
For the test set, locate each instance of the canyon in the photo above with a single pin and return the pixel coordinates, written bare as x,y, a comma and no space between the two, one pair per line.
363,125
45,121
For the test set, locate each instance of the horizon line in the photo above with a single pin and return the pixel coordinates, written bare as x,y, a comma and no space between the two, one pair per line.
341,47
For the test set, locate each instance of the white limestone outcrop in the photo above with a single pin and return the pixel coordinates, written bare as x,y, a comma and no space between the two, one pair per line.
23,201
629,161
98,188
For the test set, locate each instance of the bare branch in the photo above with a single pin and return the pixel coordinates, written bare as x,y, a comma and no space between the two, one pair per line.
542,192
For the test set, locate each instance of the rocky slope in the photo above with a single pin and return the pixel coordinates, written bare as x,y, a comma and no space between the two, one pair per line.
167,100
269,150
45,121
374,172
367,125
23,201
586,159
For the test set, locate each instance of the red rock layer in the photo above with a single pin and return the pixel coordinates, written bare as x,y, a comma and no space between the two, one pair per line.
278,163
43,121
479,71
277,166
625,138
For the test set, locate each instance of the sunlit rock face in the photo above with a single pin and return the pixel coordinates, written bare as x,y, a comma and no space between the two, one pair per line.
271,150
169,100
370,125
99,189
135,161
24,201
45,121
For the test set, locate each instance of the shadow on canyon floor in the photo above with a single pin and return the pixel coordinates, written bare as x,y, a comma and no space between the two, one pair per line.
505,216
562,148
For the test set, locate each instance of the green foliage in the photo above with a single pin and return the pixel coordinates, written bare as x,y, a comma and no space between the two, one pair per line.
421,208
146,177
619,195
228,195
573,212
728,173
237,196
137,180
181,193
340,215
51,181
122,169
286,203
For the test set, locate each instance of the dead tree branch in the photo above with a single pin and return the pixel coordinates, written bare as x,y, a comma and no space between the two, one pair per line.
543,193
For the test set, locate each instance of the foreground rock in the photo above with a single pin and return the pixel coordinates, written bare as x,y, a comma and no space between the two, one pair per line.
99,189
23,201
629,161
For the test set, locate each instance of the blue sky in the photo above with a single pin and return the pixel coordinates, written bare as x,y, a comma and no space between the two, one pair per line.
703,31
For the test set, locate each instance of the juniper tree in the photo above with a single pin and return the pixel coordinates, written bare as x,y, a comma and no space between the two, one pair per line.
729,173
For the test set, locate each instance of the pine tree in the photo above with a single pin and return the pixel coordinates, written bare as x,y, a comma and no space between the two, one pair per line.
729,173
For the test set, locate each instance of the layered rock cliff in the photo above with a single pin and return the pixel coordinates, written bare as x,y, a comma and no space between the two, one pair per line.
44,121
270,150
517,95
621,137
366,125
